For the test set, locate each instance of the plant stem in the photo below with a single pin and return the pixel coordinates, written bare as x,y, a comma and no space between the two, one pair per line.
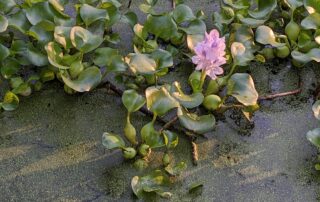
233,68
173,3
277,95
169,124
202,79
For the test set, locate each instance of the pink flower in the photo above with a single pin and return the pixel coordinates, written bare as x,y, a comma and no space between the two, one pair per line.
210,54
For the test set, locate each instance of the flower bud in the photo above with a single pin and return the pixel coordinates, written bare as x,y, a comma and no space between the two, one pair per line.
212,102
129,153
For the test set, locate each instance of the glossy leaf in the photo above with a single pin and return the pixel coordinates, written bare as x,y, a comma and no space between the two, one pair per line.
240,54
132,100
264,9
19,21
84,40
183,13
241,86
154,182
312,21
161,26
3,23
7,5
188,101
195,27
112,141
151,137
10,102
314,137
312,55
90,14
86,81
4,52
195,123
265,36
159,100
109,58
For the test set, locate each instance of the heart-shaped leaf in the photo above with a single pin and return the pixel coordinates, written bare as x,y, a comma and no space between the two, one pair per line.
313,54
195,123
84,40
4,52
86,81
132,100
162,26
293,4
62,36
154,182
240,54
141,63
19,21
312,21
188,101
10,102
3,23
151,137
241,86
183,13
252,22
9,67
264,9
195,27
314,137
7,5
265,36
36,57
163,58
39,12
159,100
109,58
112,141
90,14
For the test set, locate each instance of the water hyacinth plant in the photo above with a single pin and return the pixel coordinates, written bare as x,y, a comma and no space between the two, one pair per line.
81,52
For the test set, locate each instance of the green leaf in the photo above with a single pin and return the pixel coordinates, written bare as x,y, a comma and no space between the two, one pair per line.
4,52
86,81
154,182
252,22
195,123
312,6
112,141
159,100
312,21
132,100
58,59
161,26
195,187
39,12
84,40
313,54
238,4
265,36
264,9
314,137
241,86
240,54
183,13
131,18
10,102
36,57
171,139
19,21
316,109
10,66
188,101
109,58
141,63
90,14
151,137
62,36
3,23
195,27
7,5
163,58
293,4
177,169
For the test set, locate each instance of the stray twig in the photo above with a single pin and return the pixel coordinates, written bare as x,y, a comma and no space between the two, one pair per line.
195,154
129,5
173,4
169,124
277,95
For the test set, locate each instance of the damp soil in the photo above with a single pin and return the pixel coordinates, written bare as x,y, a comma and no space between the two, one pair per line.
50,147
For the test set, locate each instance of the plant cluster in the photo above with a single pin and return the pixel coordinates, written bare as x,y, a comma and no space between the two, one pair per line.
39,42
